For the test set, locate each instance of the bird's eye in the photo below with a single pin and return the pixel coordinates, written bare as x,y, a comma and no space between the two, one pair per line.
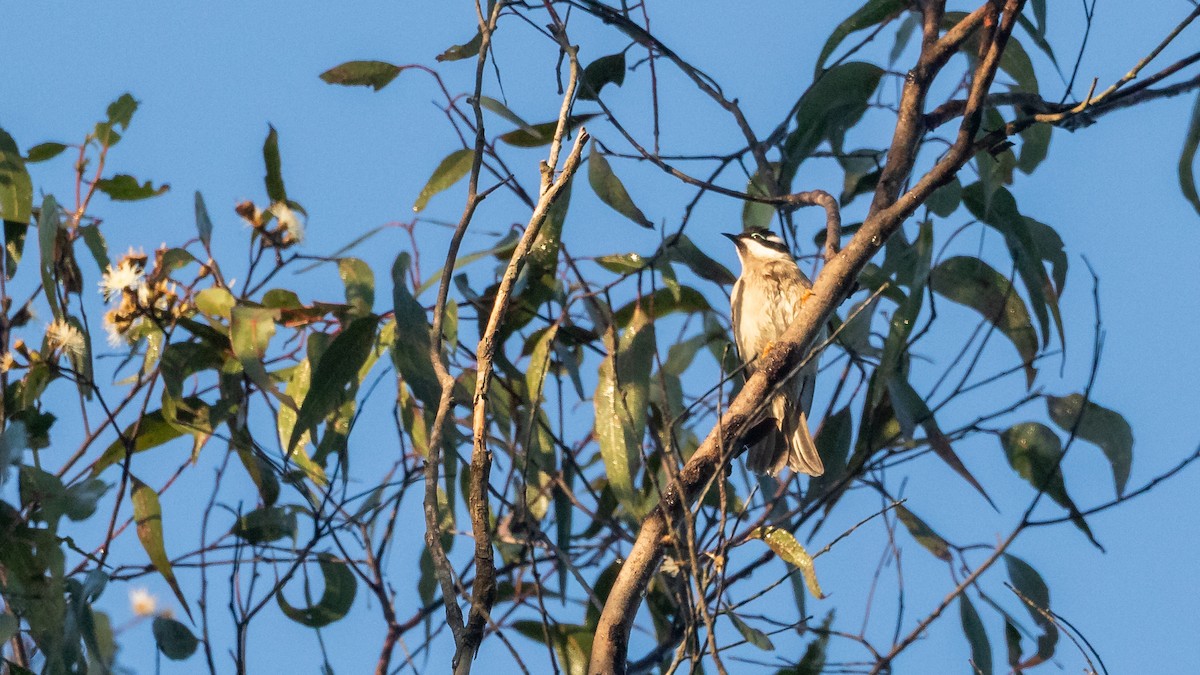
757,235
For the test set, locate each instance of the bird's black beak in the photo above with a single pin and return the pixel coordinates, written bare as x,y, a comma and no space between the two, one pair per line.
736,239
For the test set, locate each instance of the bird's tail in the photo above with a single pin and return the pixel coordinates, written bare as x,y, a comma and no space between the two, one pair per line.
789,443
802,449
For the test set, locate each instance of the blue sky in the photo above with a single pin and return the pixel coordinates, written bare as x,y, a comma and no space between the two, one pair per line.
211,77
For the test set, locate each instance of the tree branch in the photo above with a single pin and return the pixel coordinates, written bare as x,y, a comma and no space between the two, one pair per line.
483,590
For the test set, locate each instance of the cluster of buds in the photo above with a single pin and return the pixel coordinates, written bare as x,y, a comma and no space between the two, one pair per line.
143,300
278,225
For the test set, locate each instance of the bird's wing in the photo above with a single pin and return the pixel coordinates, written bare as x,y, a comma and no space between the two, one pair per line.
735,318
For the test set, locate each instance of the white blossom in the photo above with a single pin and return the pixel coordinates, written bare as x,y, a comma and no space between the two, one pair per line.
289,221
126,275
142,602
65,337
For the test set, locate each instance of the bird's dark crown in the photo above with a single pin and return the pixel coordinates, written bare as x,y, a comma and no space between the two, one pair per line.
760,235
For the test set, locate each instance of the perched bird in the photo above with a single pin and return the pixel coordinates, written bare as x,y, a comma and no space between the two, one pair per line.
766,299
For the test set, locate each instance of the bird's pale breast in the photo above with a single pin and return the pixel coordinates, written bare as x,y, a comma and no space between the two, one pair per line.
775,297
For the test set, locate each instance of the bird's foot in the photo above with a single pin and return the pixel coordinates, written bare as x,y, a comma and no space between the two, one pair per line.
766,350
805,294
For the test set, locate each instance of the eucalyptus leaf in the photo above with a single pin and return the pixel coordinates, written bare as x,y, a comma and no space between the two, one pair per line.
621,399
125,188
336,599
784,544
448,172
374,74
1100,426
1187,159
174,639
973,283
1030,584
972,625
870,14
604,70
16,188
147,513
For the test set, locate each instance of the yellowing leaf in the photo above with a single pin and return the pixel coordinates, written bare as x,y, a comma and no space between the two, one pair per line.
784,544
448,172
147,513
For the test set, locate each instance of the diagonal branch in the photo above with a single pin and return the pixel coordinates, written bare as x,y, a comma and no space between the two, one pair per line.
836,280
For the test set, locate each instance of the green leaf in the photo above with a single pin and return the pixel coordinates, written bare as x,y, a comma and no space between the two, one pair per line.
204,224
44,151
571,643
16,188
621,398
541,134
924,535
1012,641
297,388
1050,246
611,191
94,239
662,302
147,513
1100,426
125,188
833,104
411,352
152,431
972,625
681,249
973,283
502,110
1187,159
14,245
120,113
81,498
274,177
903,34
870,14
463,51
911,410
543,254
604,70
945,200
336,599
360,285
250,332
784,544
374,74
833,444
266,524
752,635
1035,452
48,227
757,214
174,639
623,263
1026,580
1001,213
337,370
451,169
215,303
895,346
1035,146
